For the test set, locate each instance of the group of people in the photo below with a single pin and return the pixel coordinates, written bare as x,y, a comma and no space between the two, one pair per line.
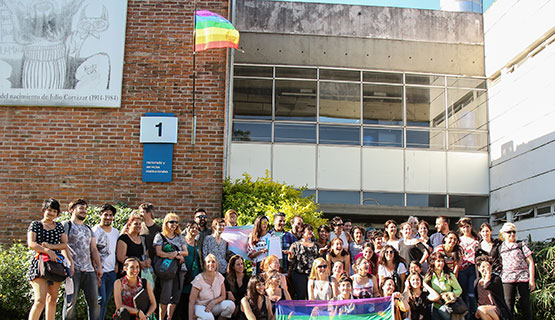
445,275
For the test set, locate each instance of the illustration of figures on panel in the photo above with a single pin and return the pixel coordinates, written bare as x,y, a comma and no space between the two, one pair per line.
61,52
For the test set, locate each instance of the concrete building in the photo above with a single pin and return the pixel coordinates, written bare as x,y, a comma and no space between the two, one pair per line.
520,60
378,111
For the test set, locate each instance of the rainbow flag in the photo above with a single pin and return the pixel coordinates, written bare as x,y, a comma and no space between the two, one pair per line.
360,309
214,31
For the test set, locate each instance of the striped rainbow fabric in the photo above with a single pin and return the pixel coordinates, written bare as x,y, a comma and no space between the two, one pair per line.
214,31
363,309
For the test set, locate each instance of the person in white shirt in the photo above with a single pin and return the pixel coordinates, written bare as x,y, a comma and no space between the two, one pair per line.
106,241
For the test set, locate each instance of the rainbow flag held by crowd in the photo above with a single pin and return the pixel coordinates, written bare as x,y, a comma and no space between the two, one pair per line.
237,239
360,309
214,31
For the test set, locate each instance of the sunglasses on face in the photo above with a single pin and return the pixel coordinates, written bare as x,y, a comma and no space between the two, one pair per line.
173,222
322,266
202,217
511,232
339,225
389,252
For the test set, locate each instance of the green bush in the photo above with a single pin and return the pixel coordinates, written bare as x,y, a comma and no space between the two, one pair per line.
16,294
543,298
267,197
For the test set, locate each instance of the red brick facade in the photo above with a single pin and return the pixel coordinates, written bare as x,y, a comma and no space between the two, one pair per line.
94,153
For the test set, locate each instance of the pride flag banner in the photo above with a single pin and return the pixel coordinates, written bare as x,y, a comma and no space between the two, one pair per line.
360,309
214,31
237,239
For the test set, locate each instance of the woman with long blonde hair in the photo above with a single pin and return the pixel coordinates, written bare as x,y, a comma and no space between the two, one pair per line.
169,244
321,286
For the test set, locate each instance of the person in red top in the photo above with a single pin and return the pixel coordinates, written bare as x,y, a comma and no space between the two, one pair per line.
452,252
127,287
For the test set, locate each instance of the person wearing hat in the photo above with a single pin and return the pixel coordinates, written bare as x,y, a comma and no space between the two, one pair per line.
518,269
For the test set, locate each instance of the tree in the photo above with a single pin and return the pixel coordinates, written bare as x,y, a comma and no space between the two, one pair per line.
267,197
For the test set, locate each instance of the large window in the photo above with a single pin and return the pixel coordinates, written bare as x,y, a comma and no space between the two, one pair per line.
317,105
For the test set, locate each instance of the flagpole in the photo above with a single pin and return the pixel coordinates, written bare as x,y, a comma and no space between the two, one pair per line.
194,135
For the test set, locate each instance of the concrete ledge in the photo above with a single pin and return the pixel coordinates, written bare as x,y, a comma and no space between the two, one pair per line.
388,211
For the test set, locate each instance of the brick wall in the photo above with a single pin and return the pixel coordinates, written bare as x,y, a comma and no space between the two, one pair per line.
95,153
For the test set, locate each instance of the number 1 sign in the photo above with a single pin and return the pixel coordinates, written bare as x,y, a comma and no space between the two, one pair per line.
158,130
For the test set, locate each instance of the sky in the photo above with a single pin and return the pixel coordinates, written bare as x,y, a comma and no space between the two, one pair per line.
417,4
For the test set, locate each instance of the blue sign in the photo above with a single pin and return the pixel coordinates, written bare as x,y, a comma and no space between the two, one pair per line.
157,162
157,157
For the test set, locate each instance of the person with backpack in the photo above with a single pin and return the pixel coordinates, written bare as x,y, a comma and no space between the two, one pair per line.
170,246
518,273
87,267
391,264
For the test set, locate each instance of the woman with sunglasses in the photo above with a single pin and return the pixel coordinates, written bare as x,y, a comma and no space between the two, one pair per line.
321,286
169,244
256,245
215,245
518,269
390,264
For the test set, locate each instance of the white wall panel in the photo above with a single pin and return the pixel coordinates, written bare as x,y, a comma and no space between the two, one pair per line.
531,191
425,171
251,158
468,173
295,165
339,168
382,170
525,166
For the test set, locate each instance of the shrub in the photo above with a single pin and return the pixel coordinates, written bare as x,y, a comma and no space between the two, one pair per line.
267,197
16,294
543,298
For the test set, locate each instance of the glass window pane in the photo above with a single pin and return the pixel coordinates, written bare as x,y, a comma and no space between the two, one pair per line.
431,80
467,108
466,140
339,135
425,200
308,193
473,205
371,76
425,107
383,199
332,74
252,99
340,102
340,197
429,139
382,104
292,132
252,131
296,100
252,71
302,73
466,82
383,137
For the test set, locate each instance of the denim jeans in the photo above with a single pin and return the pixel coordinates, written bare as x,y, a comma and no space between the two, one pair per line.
105,292
88,282
466,279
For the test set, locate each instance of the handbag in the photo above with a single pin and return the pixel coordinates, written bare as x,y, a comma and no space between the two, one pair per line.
456,307
165,268
51,270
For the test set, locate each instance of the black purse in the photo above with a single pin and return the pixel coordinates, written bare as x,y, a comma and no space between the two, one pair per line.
51,270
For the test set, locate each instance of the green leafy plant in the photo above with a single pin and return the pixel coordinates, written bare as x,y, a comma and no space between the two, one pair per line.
16,295
543,298
265,196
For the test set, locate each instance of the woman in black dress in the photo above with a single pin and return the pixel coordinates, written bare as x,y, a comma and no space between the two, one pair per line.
256,305
236,282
